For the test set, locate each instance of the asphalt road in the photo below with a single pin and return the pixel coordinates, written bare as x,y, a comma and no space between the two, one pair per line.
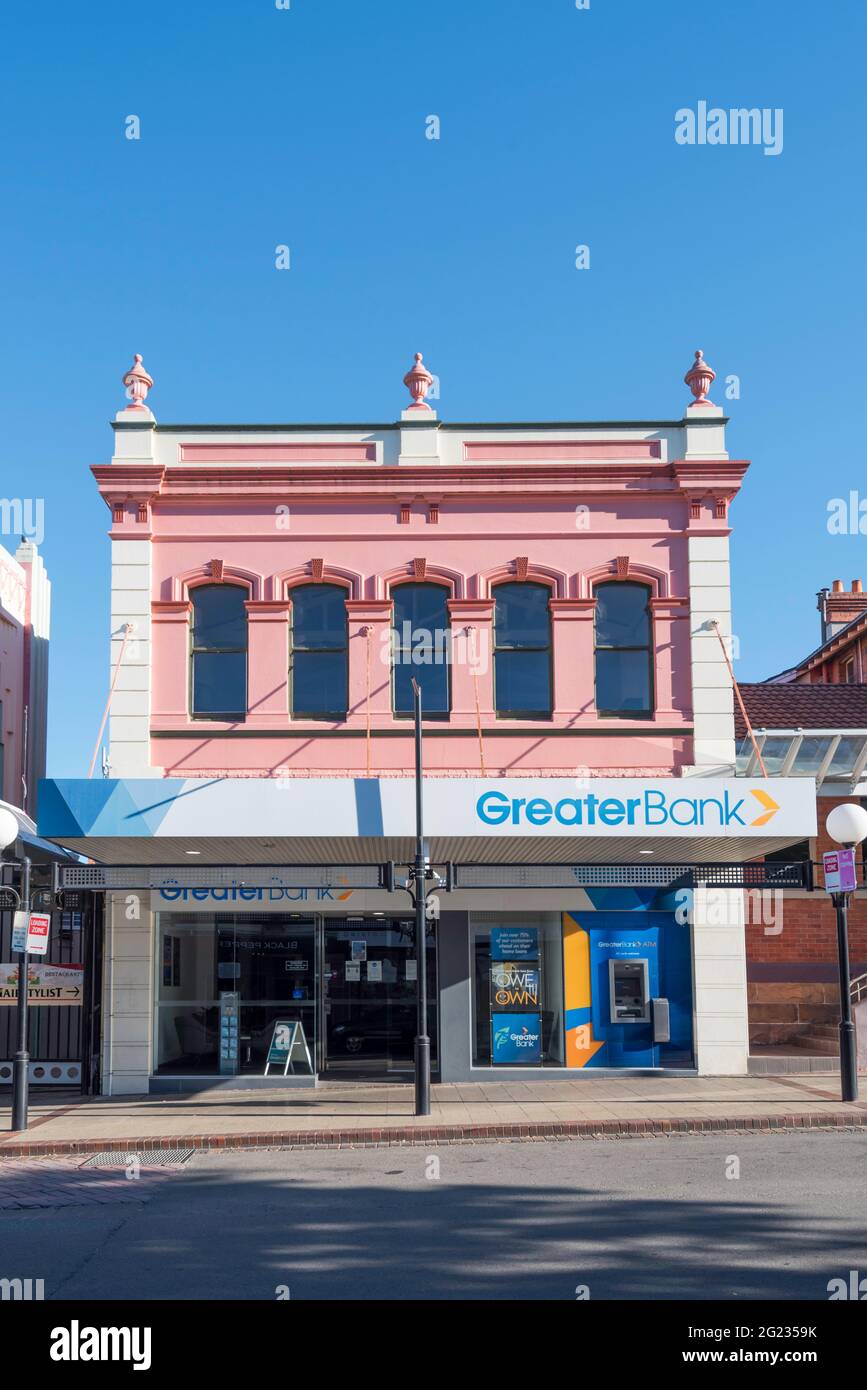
630,1218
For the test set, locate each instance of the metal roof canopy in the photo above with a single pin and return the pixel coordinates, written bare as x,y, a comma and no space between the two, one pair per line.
144,877
282,851
828,755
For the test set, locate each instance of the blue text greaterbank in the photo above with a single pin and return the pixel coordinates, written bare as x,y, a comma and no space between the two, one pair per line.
654,807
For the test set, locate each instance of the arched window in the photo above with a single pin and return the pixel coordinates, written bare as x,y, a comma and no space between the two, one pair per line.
318,679
624,649
522,651
219,652
421,640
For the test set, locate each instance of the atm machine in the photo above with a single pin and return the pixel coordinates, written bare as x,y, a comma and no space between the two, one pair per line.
630,1000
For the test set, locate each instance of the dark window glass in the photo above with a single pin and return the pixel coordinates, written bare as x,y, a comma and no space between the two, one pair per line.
522,650
623,649
318,663
219,651
421,638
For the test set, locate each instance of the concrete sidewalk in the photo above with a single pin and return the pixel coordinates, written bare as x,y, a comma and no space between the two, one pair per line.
337,1114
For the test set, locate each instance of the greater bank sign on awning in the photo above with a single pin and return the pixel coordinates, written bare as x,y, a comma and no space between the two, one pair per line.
257,820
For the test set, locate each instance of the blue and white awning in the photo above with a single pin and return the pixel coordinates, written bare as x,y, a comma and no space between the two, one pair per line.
493,820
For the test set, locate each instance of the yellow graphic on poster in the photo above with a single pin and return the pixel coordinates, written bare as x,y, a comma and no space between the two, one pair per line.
581,1046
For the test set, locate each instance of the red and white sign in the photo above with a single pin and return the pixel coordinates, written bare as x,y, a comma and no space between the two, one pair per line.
840,872
37,933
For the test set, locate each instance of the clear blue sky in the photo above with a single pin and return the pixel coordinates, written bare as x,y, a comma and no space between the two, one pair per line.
307,127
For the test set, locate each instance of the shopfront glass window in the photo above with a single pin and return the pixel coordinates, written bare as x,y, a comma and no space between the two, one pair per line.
219,651
517,962
421,638
522,650
318,662
624,655
223,984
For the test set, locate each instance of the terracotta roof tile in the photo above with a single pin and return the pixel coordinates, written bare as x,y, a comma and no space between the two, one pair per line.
792,706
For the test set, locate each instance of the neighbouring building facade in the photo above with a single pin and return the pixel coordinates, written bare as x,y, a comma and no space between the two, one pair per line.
55,1037
841,657
812,724
25,614
560,591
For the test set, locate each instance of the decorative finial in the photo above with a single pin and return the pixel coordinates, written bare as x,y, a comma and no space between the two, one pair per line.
699,379
137,383
418,382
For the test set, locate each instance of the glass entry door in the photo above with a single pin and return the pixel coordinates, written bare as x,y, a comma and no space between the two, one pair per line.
369,993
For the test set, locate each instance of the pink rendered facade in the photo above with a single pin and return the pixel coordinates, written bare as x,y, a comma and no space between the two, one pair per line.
465,507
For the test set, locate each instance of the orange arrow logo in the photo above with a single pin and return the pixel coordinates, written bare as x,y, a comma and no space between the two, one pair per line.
770,805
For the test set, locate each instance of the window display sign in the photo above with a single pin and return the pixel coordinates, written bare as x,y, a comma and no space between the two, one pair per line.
514,943
514,985
374,971
516,1039
358,950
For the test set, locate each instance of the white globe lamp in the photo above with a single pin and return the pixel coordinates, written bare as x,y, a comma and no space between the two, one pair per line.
847,823
9,828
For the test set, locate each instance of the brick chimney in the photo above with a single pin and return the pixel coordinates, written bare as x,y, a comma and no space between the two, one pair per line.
839,606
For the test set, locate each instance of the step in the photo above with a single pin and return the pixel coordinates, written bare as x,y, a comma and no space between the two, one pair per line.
827,1047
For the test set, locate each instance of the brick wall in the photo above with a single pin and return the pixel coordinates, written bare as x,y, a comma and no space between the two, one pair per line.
792,973
809,932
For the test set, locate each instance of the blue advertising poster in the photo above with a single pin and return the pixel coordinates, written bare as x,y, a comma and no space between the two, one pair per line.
514,943
516,1039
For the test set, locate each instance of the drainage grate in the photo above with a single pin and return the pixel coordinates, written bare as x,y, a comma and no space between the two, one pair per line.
148,1158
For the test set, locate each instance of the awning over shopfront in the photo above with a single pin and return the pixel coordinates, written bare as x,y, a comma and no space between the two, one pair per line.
349,821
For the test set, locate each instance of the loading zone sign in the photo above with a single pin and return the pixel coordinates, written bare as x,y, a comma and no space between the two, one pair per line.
37,933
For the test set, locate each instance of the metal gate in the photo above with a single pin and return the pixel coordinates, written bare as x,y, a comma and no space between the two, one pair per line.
63,1039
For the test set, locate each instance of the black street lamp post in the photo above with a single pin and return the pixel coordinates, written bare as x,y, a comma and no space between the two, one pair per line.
847,824
21,1065
848,1046
22,902
420,871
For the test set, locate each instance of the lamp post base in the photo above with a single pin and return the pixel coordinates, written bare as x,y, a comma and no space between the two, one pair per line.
422,1075
20,1081
848,1061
